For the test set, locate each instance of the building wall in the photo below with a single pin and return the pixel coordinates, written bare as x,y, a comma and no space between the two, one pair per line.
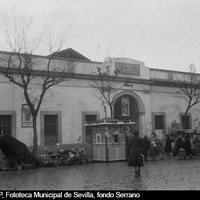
70,98
166,100
73,97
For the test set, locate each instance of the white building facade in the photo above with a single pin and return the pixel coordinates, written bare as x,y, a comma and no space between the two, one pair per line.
150,96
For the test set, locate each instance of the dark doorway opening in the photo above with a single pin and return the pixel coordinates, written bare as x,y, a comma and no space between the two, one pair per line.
50,129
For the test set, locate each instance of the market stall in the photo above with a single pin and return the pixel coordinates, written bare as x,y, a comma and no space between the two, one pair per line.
109,138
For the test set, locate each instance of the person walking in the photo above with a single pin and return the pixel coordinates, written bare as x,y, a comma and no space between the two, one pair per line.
135,156
197,145
178,145
156,147
187,146
168,146
160,147
147,147
192,144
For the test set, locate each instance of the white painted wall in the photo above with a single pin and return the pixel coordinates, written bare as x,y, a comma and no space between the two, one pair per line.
72,97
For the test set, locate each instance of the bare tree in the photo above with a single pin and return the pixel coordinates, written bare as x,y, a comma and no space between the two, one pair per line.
190,88
33,74
107,86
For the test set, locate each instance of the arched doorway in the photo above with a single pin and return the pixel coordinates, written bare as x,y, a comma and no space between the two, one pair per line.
126,108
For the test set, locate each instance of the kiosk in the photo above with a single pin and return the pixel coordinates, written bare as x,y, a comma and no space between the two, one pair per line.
109,139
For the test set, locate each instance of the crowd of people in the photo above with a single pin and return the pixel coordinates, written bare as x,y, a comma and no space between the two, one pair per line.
180,145
177,144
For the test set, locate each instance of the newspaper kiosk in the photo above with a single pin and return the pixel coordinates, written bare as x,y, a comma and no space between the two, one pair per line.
109,138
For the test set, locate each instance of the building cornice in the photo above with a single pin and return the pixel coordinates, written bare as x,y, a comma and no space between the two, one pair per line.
172,71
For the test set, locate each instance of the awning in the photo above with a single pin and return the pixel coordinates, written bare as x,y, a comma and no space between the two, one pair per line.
109,121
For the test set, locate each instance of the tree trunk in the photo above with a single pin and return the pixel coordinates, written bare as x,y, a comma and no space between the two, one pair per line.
111,111
35,137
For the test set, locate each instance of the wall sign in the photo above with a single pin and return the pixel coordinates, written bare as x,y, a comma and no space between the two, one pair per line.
127,68
125,108
27,118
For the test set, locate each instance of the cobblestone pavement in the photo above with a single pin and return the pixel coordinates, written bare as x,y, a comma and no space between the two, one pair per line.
169,174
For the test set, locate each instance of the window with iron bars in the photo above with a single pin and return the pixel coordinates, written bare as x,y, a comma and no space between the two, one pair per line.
6,124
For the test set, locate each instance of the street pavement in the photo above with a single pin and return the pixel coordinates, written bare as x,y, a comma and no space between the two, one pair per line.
168,174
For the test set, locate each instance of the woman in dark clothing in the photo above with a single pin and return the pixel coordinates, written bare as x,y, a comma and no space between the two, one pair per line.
187,146
178,145
156,147
168,145
147,147
134,153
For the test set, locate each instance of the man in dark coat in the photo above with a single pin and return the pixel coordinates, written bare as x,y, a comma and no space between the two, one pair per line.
135,157
187,146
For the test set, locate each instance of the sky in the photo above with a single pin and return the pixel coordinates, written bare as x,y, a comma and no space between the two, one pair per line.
164,34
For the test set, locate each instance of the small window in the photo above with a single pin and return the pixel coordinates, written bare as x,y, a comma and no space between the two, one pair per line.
98,138
159,122
116,138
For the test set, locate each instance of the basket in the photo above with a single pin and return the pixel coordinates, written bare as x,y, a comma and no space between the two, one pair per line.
182,153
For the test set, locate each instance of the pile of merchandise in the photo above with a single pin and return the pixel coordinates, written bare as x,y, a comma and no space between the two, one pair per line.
64,157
